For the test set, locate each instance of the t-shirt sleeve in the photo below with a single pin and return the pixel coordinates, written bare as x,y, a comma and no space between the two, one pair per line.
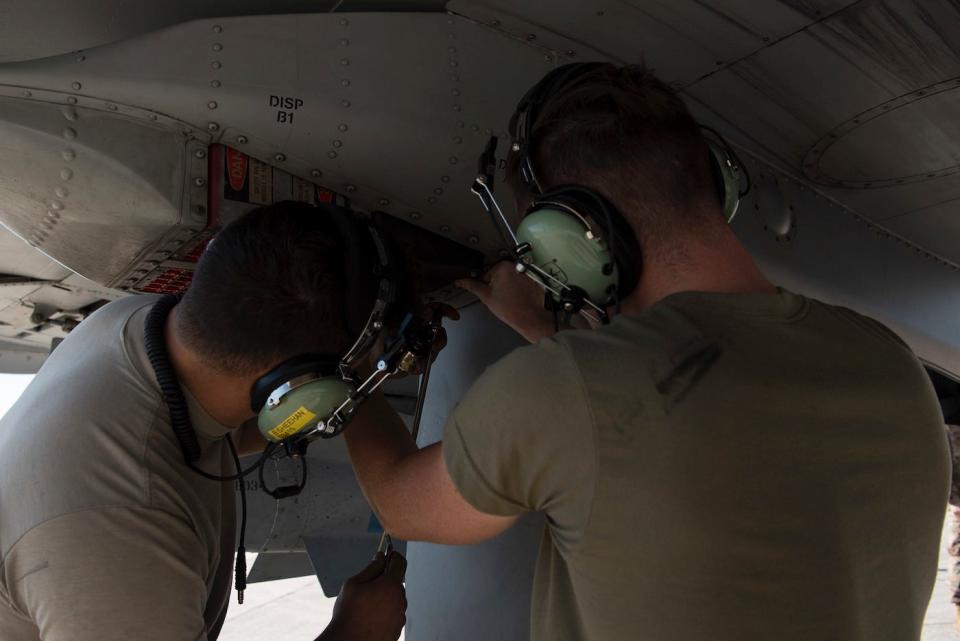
523,438
110,574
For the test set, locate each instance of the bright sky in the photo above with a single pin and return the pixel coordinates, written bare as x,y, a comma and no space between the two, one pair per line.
11,386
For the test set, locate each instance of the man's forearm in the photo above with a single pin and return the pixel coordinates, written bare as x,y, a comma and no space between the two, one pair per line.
378,442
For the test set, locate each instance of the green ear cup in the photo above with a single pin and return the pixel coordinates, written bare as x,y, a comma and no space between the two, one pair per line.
302,408
731,178
564,248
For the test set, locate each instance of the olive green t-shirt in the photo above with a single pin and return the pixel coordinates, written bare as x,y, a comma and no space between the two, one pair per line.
105,535
723,467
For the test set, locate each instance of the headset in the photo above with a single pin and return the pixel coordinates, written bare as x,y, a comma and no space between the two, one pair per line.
316,393
572,240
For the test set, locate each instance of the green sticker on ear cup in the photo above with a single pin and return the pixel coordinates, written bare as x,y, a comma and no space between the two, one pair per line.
302,408
564,248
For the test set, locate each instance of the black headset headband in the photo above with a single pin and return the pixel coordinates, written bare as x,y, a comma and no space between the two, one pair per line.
528,110
362,269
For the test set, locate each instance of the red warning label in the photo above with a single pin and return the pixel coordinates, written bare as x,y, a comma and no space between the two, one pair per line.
236,169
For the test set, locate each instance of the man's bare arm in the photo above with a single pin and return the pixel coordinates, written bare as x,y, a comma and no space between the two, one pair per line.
410,490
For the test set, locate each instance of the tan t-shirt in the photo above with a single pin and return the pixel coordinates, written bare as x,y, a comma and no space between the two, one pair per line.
723,467
105,534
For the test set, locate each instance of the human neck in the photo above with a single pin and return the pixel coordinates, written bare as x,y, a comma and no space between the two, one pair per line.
719,264
225,398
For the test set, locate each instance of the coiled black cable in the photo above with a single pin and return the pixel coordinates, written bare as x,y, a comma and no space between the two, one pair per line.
156,348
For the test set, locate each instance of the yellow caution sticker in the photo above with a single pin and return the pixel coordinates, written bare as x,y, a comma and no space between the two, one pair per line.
292,424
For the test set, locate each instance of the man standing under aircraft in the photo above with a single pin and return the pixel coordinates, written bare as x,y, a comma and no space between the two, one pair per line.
105,533
724,460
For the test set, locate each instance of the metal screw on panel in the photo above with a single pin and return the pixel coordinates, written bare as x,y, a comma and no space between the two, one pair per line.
68,154
344,42
212,104
457,107
69,133
444,179
331,154
81,58
451,50
531,36
61,192
27,94
415,215
111,106
351,188
344,62
66,174
217,46
71,100
76,86
199,182
438,191
455,92
200,153
215,84
242,140
217,28
316,173
69,114
344,22
280,157
548,58
571,52
212,126
56,204
445,229
454,160
457,140
345,104
216,64
344,83
473,239
432,200
494,23
337,143
342,126
454,63
383,202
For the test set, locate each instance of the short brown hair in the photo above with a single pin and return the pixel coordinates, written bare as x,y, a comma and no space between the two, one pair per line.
625,134
269,287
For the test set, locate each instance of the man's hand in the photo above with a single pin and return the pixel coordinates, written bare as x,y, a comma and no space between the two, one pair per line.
372,604
515,299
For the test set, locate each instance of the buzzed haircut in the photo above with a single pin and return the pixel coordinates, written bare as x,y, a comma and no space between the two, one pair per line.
267,288
626,134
